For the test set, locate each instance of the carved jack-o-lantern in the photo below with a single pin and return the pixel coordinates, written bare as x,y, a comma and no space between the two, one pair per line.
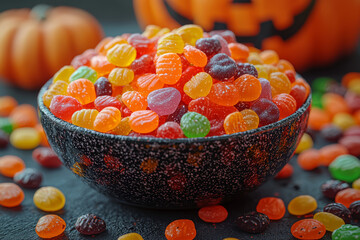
305,32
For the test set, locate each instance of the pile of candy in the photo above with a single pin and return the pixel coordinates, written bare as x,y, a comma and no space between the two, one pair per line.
183,83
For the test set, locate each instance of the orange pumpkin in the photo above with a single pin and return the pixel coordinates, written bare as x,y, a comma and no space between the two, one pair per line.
35,43
305,32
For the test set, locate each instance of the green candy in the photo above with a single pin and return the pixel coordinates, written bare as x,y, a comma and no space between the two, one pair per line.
316,100
320,84
194,125
84,72
345,168
6,125
346,232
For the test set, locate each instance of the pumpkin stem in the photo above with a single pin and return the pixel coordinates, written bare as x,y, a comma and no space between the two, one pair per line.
40,11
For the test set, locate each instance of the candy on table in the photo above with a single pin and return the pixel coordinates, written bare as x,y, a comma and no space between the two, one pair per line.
331,187
90,224
321,84
25,138
285,172
46,157
318,119
49,199
234,123
107,119
164,101
354,86
352,144
356,184
305,143
308,229
213,214
339,210
170,130
331,133
272,207
194,125
64,74
57,88
144,121
43,138
267,111
302,205
334,104
181,229
316,101
346,232
121,55
253,222
330,152
343,120
6,125
309,159
4,140
84,118
24,115
131,236
50,226
10,165
330,221
7,105
355,209
84,72
11,195
353,101
345,168
347,196
28,178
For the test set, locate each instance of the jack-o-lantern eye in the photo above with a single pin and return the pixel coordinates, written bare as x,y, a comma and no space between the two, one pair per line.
288,28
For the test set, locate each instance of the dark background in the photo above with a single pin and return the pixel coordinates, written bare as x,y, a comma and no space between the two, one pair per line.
117,17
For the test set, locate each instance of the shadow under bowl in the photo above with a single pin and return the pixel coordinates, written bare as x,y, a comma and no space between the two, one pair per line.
174,173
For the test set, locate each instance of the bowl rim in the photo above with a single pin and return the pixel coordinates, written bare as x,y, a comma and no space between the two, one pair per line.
45,110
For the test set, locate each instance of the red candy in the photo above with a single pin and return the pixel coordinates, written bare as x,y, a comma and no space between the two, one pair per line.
46,157
64,106
272,207
213,214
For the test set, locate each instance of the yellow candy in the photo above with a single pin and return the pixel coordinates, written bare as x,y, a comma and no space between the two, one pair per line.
354,86
123,128
254,58
302,205
263,72
162,32
330,221
305,143
121,55
151,31
121,76
25,138
170,43
84,118
131,236
356,184
190,33
57,88
63,74
344,120
251,119
199,85
49,199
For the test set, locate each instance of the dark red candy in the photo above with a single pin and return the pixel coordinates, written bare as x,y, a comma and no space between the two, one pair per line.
216,128
210,46
291,75
352,131
107,101
242,106
141,43
331,133
246,68
353,101
4,140
228,35
184,62
64,106
177,115
46,157
144,64
312,133
339,210
253,222
221,67
224,45
355,209
298,92
103,87
90,224
170,130
125,112
331,187
267,111
28,178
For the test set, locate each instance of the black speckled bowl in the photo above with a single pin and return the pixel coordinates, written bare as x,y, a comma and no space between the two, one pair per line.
181,173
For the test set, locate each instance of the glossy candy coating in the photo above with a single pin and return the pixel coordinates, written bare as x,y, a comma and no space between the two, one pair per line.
269,57
103,87
253,222
286,104
11,195
64,106
7,105
182,229
49,199
84,72
221,67
10,165
64,74
305,143
144,121
170,43
343,120
245,68
213,214
121,76
107,119
330,221
131,236
24,115
90,224
25,138
249,87
195,56
267,111
107,101
330,152
355,209
272,207
251,119
347,196
134,100
46,157
356,184
234,123
190,33
346,232
57,88
101,65
279,83
199,85
210,46
194,125
309,159
141,43
6,125
121,55
144,64
298,92
285,172
84,118
339,210
345,168
50,226
123,128
164,101
238,51
28,178
170,130
168,68
148,82
224,94
331,133
302,205
83,90
331,187
308,229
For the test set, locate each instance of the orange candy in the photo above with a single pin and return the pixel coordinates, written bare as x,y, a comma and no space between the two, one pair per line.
284,65
309,159
286,104
334,104
168,68
134,101
249,87
24,115
238,51
269,57
144,121
251,119
234,122
302,82
7,104
195,56
224,94
279,83
101,65
10,165
285,172
272,207
148,82
182,229
83,90
330,152
11,195
349,77
107,119
50,226
213,214
347,196
318,119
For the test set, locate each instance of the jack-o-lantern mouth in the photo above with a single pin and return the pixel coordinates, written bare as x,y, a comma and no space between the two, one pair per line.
266,29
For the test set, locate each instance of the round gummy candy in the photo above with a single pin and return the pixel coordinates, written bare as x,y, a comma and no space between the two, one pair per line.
49,199
164,101
28,178
267,111
355,209
213,214
182,229
345,168
331,187
308,229
302,205
194,125
50,226
339,210
346,232
221,67
90,224
253,222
